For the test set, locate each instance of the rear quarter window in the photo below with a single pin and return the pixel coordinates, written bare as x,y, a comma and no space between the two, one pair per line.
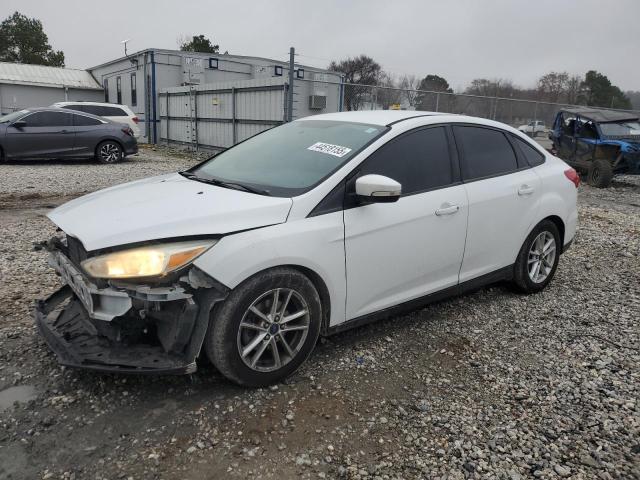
530,154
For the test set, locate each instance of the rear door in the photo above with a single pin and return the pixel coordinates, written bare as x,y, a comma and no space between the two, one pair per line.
502,192
47,134
396,252
88,133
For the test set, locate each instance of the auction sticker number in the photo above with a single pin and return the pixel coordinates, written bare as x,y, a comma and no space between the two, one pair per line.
335,150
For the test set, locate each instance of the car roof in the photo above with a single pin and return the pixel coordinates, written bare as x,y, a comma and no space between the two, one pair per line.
101,104
66,110
373,117
602,116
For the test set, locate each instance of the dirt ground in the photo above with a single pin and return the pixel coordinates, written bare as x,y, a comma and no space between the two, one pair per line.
491,385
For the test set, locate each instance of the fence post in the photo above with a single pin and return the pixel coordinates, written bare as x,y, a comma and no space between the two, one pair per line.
292,54
437,102
233,114
341,96
168,120
195,117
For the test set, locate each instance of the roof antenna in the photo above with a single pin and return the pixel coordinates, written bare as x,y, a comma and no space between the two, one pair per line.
133,60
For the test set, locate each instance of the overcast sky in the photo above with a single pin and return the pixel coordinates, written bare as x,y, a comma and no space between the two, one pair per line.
457,39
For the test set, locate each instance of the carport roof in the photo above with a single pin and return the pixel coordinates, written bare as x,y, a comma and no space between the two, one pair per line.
41,76
602,115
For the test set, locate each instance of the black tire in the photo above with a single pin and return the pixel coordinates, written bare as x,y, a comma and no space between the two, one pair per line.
223,339
600,173
109,151
521,275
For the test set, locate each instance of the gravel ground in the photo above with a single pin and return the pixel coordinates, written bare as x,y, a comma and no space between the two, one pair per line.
491,385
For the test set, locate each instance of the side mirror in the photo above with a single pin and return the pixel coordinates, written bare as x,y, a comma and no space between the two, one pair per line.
378,189
19,124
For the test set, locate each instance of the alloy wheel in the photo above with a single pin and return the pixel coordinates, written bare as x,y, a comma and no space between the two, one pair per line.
109,153
273,330
542,256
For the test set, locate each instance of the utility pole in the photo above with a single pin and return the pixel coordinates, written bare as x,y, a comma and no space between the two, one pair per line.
292,54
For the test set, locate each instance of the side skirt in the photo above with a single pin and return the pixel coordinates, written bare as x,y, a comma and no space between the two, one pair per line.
503,274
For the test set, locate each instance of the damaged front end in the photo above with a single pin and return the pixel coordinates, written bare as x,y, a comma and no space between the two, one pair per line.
146,327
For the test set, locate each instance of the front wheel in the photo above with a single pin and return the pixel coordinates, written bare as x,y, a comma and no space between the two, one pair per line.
538,258
109,152
600,173
266,328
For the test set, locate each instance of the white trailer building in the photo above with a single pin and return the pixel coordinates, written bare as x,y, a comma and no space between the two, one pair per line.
24,86
147,80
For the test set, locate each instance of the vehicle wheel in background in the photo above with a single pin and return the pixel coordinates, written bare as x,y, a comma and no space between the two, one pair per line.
600,173
538,258
109,152
266,328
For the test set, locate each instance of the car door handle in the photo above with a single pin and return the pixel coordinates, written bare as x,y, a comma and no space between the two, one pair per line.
525,190
447,210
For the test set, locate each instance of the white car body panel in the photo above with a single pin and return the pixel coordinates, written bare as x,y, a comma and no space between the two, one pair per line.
370,257
166,206
127,120
378,237
495,206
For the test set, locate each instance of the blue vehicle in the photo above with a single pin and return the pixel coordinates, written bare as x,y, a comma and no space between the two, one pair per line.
598,143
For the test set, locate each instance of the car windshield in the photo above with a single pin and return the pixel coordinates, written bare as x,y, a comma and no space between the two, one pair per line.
620,129
12,116
289,160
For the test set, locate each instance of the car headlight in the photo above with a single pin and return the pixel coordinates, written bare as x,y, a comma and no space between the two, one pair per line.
147,261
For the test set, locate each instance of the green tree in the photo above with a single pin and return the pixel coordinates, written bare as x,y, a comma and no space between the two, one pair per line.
22,40
360,73
432,101
598,91
198,43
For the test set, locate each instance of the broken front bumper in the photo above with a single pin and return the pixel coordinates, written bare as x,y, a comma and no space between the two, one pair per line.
128,329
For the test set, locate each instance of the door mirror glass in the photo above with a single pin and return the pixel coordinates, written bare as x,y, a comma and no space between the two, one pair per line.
19,124
378,188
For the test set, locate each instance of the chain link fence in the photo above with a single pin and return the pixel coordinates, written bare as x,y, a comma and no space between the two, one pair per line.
512,111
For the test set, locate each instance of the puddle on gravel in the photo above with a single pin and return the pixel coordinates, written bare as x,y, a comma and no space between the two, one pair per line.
20,394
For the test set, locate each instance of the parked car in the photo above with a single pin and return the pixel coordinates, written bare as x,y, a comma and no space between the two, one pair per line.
307,229
533,128
598,143
42,133
117,113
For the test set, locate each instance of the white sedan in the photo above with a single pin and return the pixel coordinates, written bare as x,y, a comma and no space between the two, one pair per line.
307,229
533,128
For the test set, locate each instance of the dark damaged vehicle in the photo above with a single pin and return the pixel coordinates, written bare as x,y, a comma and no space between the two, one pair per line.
598,143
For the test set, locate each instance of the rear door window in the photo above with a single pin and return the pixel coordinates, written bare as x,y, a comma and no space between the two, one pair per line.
485,152
77,108
82,121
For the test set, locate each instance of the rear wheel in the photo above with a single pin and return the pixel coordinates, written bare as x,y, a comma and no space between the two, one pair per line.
266,328
600,173
538,258
109,152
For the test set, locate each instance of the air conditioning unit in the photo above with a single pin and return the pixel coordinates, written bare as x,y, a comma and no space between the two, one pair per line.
317,102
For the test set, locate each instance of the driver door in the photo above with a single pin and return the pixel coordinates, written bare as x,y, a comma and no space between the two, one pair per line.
46,134
396,252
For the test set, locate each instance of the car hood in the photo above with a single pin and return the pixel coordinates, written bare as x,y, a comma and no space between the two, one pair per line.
166,206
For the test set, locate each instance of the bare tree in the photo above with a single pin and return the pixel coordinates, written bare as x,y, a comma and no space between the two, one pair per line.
409,85
360,73
552,87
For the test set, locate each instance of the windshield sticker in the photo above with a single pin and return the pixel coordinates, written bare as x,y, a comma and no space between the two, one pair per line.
335,150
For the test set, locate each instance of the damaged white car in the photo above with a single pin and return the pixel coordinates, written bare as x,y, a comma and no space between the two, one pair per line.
309,228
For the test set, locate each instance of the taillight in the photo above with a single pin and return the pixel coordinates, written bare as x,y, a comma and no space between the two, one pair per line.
128,131
572,175
135,120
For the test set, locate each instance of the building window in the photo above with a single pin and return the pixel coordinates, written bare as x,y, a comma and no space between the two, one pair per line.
134,90
278,71
105,85
119,90
300,73
213,63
